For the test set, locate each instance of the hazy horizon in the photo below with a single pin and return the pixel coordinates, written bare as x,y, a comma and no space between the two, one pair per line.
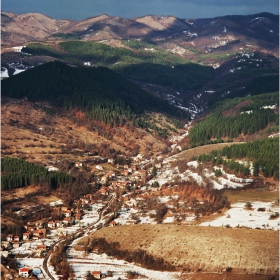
78,10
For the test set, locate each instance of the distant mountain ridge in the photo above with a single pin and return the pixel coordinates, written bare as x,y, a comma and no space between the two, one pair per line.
259,30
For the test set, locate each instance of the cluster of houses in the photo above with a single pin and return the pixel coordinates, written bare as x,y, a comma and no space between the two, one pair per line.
110,181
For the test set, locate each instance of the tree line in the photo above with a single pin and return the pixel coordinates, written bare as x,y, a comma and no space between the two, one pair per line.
139,256
17,173
263,153
249,119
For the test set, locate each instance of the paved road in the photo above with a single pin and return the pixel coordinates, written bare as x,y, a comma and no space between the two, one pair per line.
46,259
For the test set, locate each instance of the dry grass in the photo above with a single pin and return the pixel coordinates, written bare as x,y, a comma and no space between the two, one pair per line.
188,154
206,248
29,132
251,195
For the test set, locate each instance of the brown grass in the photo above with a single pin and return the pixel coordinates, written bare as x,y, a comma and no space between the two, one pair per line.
206,248
29,132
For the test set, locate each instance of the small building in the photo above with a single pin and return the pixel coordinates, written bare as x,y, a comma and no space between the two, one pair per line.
51,224
24,272
78,164
57,223
4,253
16,244
26,236
40,233
96,274
113,223
16,238
78,217
10,237
67,213
67,221
41,247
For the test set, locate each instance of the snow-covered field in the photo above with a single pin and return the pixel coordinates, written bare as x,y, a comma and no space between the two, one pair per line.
168,174
239,216
82,264
35,263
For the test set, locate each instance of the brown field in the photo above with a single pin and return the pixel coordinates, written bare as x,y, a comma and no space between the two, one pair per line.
188,154
251,195
208,249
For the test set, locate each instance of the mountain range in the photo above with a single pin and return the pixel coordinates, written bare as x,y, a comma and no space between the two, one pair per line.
175,120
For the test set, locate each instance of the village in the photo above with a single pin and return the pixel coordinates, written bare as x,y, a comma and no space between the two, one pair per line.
40,236
128,195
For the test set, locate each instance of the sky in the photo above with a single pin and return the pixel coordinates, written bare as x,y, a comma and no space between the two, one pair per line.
81,9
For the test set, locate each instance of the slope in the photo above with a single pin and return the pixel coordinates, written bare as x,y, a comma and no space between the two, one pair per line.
100,92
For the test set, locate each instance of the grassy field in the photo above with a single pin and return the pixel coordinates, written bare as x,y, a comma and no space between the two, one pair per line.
207,249
251,195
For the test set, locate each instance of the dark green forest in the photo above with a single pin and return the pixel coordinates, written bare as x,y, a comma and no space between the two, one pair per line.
248,119
103,94
263,153
17,173
158,67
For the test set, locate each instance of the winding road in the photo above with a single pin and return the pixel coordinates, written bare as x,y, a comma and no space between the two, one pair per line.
73,236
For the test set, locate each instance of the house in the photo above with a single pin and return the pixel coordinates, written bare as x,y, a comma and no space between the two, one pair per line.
78,164
18,48
113,223
51,224
41,247
16,238
10,237
16,244
26,236
96,274
40,233
57,223
24,272
104,179
140,175
5,244
67,213
4,254
78,217
66,221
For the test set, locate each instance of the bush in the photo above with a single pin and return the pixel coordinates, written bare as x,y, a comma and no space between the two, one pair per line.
248,205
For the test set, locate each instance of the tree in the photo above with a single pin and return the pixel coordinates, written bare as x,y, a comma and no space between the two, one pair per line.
154,172
248,205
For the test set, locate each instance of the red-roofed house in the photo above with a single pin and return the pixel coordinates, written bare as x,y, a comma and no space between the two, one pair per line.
24,272
96,274
26,236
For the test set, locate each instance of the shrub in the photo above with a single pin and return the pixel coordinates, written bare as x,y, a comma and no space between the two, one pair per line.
248,205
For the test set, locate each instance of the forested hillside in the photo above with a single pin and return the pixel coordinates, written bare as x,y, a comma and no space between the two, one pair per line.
145,62
264,154
245,116
17,173
100,92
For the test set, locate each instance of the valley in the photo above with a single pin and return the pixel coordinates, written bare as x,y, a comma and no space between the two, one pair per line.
142,148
